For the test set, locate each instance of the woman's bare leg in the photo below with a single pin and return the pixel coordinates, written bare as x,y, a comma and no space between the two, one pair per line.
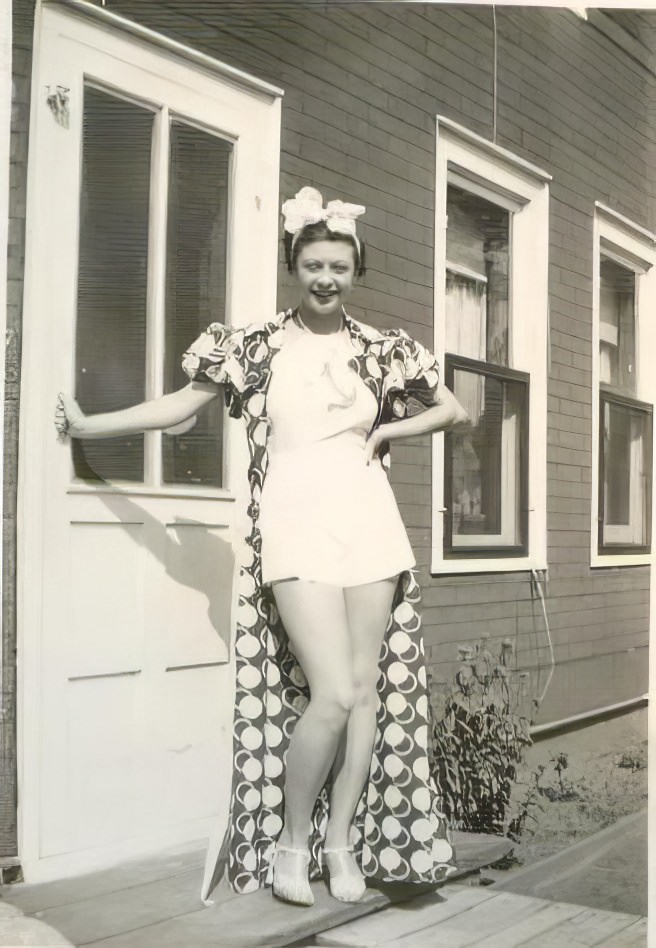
368,610
315,619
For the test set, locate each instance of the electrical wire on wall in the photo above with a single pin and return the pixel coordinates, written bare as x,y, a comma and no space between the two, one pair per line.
494,76
537,582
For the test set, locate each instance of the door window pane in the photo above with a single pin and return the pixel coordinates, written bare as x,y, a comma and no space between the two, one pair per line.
626,480
487,475
478,267
112,279
195,289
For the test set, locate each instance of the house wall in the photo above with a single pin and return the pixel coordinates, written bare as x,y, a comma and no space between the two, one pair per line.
363,83
22,38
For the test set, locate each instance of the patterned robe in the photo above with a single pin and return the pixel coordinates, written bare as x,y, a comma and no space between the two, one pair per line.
401,833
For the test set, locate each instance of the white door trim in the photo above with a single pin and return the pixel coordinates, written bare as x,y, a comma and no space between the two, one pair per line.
223,70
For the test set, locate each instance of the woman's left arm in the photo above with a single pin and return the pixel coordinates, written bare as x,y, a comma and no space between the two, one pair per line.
446,413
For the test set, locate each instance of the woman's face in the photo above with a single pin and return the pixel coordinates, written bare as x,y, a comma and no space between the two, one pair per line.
325,271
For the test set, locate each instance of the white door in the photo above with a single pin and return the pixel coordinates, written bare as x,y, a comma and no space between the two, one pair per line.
152,211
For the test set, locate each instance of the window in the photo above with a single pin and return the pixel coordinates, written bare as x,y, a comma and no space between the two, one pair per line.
114,336
486,465
625,437
491,334
624,402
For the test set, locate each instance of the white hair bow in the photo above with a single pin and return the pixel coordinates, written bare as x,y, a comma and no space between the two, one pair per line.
307,208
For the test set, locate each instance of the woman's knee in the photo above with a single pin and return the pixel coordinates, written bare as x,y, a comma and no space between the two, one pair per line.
365,692
335,703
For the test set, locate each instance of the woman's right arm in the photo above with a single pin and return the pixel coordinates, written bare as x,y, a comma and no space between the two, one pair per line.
159,413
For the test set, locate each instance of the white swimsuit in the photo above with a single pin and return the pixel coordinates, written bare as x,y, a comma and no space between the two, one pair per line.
325,515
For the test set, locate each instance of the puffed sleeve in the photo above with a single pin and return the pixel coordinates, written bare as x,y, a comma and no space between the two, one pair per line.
216,356
421,373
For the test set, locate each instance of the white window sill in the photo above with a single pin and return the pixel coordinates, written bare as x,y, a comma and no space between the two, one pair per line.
598,561
509,564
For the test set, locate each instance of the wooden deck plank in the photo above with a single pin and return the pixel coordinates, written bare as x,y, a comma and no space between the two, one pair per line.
113,913
411,916
477,850
250,921
150,902
36,897
590,927
492,916
474,850
635,936
552,914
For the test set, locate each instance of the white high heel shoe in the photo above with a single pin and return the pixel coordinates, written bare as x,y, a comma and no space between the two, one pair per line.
290,875
346,881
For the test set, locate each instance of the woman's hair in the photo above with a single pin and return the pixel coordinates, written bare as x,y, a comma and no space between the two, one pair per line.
311,234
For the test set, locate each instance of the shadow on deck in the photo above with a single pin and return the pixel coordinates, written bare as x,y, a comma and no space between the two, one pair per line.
154,903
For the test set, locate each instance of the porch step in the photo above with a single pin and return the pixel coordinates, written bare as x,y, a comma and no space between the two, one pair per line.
155,904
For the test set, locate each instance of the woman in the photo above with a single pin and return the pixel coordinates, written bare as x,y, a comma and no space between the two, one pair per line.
330,673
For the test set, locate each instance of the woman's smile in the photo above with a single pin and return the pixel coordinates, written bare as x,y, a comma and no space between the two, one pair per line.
325,271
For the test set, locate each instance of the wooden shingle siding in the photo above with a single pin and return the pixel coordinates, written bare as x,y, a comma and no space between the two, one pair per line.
22,27
363,83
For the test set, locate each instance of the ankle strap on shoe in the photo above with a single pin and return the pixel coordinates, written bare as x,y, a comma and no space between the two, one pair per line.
291,849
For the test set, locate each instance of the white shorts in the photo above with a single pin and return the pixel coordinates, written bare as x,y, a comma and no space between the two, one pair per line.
326,516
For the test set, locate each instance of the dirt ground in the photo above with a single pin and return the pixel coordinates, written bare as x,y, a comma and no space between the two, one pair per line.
578,783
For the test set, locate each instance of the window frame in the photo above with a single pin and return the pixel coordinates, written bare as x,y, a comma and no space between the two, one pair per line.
606,396
502,373
634,248
470,161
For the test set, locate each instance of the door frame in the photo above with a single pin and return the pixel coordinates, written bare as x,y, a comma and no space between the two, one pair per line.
85,22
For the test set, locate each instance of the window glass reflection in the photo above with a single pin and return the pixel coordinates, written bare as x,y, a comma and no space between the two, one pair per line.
486,464
617,317
626,482
112,280
195,289
478,267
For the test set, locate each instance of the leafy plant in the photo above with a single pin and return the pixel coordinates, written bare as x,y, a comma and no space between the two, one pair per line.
565,790
560,762
480,739
525,807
